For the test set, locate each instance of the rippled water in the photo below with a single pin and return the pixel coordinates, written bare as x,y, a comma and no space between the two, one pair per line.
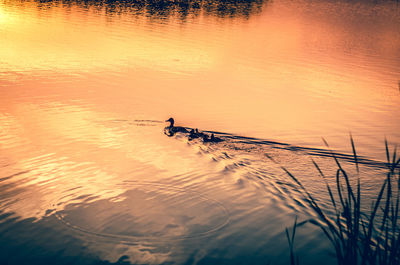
87,175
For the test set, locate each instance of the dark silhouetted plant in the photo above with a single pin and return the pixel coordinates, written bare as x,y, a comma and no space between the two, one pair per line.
294,260
358,237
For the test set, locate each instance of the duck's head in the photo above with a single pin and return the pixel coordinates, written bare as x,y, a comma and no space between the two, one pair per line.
171,120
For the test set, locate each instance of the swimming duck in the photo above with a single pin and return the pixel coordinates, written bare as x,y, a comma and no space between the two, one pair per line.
195,134
174,129
191,135
213,139
198,134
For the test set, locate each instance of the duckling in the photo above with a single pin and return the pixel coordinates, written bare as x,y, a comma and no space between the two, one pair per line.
191,135
213,139
198,134
195,134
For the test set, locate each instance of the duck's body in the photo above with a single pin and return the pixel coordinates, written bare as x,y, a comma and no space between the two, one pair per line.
177,129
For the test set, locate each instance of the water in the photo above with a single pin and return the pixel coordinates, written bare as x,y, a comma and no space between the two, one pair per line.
88,177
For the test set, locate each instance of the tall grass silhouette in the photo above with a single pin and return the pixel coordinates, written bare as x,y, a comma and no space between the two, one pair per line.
358,237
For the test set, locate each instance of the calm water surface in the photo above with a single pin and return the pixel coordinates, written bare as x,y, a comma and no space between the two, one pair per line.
88,177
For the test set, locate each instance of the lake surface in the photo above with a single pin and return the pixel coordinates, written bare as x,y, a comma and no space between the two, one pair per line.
87,175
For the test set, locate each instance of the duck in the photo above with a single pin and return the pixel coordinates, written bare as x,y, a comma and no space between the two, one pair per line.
195,134
212,139
174,129
192,135
198,134
215,139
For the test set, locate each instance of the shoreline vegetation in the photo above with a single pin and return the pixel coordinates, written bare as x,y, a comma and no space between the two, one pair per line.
365,238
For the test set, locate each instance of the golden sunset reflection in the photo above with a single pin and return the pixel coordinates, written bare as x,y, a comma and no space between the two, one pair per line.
95,44
62,126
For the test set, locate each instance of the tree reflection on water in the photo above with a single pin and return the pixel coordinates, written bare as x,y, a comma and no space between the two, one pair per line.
163,9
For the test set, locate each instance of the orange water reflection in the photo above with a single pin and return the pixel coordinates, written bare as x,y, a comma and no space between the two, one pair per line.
290,71
55,152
